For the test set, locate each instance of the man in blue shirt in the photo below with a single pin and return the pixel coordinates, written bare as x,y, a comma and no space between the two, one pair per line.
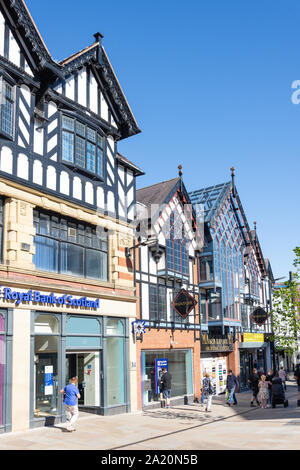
72,394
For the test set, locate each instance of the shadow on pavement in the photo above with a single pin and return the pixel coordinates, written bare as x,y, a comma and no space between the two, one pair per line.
194,413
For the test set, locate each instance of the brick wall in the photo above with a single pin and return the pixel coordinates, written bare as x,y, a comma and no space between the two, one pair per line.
162,339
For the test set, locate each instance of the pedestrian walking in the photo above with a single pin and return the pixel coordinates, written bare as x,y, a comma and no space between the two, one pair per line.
269,379
208,391
231,384
282,375
253,381
166,382
263,391
72,395
202,393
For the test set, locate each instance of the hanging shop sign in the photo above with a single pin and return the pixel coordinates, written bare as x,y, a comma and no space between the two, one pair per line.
36,297
184,303
253,337
259,316
138,327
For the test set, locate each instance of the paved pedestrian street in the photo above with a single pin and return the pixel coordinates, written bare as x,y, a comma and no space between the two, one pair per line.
184,427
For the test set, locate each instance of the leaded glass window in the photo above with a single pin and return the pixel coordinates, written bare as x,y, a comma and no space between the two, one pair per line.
157,303
177,246
82,146
7,108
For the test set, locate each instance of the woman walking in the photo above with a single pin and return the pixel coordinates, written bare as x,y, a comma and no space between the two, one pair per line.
263,391
207,390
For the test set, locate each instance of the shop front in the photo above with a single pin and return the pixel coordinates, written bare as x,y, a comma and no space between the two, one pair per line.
214,359
94,349
255,353
5,369
48,338
178,362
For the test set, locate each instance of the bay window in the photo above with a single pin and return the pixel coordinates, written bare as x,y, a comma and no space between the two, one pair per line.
82,146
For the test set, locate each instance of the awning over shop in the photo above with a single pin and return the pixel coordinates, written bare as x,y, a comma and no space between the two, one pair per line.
252,345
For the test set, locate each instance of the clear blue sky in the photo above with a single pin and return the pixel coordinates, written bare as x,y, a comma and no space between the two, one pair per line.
209,82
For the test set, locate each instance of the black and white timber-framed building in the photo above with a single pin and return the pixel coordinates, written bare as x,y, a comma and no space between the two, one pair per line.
67,297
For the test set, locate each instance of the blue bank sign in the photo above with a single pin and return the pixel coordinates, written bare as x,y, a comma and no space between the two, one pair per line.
36,297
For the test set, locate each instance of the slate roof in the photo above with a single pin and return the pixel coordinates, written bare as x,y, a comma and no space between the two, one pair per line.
157,193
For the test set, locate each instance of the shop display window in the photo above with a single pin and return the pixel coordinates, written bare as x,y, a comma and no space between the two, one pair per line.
179,366
46,348
115,366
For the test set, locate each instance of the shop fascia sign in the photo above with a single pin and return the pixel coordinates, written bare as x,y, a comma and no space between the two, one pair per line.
224,343
253,338
18,297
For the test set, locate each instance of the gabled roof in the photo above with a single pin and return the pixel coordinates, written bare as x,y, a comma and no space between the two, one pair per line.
259,254
211,197
136,170
95,55
269,269
158,193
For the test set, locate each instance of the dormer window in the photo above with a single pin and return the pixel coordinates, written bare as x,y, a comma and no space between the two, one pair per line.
82,146
7,108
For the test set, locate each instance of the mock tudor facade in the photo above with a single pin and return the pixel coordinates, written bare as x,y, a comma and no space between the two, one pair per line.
67,205
167,287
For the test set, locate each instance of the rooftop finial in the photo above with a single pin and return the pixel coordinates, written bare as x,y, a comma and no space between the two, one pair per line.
232,179
254,223
98,36
180,168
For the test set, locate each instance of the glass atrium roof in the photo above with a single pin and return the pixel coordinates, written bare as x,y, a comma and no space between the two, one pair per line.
211,199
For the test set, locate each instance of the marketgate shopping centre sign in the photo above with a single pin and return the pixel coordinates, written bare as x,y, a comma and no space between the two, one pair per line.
37,297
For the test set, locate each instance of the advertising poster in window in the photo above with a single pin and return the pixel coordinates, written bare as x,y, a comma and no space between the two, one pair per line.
48,380
159,365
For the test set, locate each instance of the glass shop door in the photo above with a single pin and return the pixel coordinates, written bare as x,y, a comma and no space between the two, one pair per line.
86,366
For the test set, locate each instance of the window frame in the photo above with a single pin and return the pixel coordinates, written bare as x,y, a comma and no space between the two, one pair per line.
157,290
81,230
5,81
99,144
177,251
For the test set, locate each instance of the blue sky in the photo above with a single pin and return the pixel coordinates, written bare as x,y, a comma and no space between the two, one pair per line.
209,82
